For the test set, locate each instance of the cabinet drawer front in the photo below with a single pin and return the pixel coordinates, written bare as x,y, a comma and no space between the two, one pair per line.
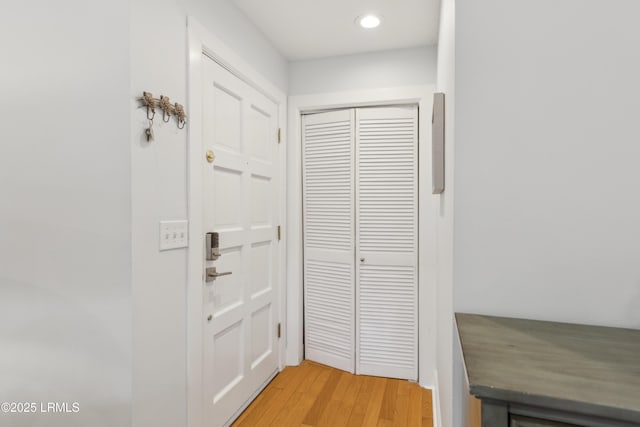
520,421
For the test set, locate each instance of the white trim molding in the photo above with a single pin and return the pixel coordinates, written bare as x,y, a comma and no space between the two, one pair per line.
423,97
435,400
202,42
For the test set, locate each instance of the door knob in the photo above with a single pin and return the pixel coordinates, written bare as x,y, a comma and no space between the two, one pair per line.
361,259
212,274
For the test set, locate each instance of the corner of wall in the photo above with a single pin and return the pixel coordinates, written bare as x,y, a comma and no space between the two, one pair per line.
445,230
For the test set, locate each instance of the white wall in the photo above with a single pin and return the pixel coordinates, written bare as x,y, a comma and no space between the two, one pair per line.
230,25
159,185
547,201
444,297
391,68
65,257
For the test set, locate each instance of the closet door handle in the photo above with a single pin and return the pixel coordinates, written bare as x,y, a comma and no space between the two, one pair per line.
362,259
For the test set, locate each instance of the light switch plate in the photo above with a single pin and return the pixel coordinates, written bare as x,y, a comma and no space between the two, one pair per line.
174,234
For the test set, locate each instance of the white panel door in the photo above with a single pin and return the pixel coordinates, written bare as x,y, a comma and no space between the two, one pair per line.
328,205
240,203
387,241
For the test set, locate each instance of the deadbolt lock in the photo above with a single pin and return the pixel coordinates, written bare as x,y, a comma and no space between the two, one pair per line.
210,156
212,246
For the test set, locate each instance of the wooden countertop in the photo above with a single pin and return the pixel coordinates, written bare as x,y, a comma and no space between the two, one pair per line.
590,370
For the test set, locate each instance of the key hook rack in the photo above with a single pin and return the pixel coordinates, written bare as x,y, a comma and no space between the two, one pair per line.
168,109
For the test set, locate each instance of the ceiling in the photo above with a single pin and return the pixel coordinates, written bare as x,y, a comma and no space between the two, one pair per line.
304,29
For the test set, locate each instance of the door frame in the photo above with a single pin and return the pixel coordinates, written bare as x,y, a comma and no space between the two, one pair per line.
421,95
202,42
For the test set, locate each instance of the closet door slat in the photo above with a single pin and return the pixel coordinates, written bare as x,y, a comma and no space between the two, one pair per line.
328,205
387,242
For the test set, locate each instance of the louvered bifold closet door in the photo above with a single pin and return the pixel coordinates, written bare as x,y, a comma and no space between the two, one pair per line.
329,231
387,241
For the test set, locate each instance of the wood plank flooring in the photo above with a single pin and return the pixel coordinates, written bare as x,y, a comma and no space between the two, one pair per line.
313,395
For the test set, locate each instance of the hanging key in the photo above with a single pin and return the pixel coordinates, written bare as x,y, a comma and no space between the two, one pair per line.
149,131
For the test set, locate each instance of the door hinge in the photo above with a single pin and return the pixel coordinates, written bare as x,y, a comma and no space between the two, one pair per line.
279,135
279,233
279,330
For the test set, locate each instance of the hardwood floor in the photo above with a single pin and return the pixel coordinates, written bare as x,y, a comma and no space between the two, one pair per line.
316,395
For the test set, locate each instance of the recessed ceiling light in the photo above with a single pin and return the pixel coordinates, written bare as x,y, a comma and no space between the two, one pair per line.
368,21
